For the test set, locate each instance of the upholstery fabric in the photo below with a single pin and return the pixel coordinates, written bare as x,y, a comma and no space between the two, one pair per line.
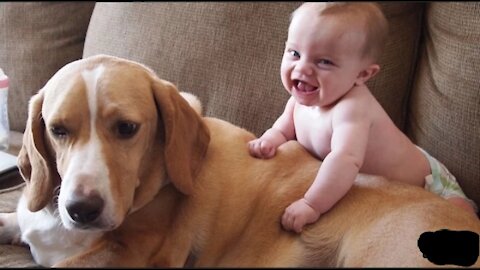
445,102
237,78
38,38
392,85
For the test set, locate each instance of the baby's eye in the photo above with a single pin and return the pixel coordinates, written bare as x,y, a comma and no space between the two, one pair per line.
294,53
325,62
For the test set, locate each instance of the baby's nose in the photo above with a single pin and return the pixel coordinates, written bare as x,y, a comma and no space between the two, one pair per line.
304,67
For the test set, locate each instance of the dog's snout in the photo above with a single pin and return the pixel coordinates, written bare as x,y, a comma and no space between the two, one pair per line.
85,209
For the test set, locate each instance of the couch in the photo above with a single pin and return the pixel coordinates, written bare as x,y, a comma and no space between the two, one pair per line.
229,53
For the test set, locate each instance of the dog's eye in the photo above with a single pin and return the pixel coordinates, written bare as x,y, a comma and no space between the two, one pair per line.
126,130
59,131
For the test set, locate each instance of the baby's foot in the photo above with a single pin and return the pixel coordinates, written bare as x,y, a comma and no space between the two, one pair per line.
462,203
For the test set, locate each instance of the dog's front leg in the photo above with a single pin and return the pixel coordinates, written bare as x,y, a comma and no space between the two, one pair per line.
104,253
174,253
9,229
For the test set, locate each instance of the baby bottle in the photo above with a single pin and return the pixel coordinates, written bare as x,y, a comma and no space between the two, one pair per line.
4,126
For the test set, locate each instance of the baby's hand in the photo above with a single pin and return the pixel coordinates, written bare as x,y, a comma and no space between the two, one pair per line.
297,215
261,148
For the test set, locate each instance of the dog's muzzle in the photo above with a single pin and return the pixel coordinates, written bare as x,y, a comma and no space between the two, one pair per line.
85,210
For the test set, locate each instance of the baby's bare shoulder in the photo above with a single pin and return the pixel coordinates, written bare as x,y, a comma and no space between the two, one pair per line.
358,103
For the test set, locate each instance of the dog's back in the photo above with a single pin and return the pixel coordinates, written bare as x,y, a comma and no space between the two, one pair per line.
239,200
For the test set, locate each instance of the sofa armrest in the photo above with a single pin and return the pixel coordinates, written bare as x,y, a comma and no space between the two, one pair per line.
14,142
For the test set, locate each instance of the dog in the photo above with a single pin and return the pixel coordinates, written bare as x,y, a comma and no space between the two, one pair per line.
122,170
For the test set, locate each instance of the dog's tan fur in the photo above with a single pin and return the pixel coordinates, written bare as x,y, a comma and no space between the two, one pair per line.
223,207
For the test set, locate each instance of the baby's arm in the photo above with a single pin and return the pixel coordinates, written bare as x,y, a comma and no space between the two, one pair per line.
340,167
282,131
337,172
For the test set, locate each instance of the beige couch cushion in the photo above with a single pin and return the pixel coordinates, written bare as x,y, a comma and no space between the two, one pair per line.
393,83
228,54
445,103
37,39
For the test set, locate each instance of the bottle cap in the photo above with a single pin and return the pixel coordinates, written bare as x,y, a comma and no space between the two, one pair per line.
3,79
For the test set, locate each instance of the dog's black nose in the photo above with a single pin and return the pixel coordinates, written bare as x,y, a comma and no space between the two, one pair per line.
85,209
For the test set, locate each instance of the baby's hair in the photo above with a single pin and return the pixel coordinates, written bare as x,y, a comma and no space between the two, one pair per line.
368,13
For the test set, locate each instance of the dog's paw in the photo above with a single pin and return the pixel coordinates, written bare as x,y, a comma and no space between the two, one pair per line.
9,229
193,101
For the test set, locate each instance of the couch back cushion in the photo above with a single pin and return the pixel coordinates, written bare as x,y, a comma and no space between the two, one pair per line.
38,39
445,103
392,85
229,54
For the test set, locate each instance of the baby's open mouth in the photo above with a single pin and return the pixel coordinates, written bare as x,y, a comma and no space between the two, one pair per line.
303,86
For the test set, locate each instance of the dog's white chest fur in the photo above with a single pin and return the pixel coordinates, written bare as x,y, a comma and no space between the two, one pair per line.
49,241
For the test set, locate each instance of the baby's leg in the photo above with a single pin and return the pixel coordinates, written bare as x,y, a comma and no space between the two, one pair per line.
462,203
447,187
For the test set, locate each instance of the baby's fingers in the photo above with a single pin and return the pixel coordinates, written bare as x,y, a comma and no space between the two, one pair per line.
266,149
291,223
254,148
298,224
260,149
287,221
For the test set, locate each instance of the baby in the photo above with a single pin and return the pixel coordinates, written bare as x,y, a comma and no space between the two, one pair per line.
331,51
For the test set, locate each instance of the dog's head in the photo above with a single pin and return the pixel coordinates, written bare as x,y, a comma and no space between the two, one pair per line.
110,134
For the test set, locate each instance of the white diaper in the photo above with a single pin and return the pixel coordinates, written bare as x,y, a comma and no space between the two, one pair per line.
442,182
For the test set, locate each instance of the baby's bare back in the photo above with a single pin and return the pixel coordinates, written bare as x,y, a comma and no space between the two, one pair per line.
392,154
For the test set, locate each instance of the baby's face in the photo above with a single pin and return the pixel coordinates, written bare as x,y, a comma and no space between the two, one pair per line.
322,58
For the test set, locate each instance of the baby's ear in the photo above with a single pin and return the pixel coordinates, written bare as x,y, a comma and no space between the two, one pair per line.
367,73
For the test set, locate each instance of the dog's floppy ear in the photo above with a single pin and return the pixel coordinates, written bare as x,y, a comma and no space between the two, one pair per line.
33,160
186,135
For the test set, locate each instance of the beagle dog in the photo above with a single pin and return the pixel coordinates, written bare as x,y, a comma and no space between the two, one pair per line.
122,170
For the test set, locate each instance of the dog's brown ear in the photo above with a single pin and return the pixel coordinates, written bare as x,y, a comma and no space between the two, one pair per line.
33,161
186,136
